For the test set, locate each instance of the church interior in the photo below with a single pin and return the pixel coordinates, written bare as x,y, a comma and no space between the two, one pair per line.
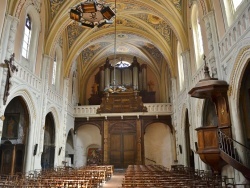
155,90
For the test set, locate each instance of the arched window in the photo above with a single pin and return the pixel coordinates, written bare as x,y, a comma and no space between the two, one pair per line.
56,68
27,37
54,71
236,3
231,9
180,66
197,37
122,64
31,32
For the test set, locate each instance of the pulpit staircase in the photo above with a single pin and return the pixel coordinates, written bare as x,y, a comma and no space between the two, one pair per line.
235,154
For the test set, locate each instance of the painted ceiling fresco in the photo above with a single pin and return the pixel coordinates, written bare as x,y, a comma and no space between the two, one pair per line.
136,22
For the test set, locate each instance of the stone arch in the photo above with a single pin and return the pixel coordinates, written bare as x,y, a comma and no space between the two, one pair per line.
32,120
235,83
87,134
159,145
53,110
70,148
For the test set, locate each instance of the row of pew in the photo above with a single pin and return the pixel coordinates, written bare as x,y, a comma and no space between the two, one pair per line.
84,177
178,176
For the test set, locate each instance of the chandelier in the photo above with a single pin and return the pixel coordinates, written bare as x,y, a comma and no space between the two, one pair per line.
92,13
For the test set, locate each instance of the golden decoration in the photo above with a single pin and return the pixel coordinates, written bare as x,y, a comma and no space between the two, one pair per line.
149,45
154,19
222,111
229,91
94,47
2,118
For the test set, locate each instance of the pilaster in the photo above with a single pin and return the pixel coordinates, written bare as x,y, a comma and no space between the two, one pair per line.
7,44
45,84
187,69
9,33
62,142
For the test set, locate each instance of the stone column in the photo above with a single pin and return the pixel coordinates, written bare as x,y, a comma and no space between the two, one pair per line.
187,69
7,45
213,58
63,131
45,84
7,49
9,33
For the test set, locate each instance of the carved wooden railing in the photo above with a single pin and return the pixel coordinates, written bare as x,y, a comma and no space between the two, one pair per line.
235,153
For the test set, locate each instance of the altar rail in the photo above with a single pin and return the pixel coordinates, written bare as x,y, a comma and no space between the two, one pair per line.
152,109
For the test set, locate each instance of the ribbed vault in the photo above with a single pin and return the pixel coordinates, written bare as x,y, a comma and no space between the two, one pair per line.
147,29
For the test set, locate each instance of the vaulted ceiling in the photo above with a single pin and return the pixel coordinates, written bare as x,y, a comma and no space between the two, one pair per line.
145,29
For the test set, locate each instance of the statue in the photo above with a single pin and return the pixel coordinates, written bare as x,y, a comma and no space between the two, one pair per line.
11,69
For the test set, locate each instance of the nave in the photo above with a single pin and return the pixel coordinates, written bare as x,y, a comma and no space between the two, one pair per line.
106,176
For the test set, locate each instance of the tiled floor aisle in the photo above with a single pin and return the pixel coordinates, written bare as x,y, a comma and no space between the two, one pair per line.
116,180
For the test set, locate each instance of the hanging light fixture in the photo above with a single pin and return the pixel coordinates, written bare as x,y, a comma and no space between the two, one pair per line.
92,13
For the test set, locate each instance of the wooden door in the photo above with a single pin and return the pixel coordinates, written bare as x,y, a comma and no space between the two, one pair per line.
7,159
129,148
122,149
11,158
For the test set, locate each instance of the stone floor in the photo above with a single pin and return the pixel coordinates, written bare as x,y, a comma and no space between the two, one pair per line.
116,179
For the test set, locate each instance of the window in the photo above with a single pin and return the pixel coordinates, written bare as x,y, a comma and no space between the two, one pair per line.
197,37
236,3
180,66
231,9
54,71
122,64
26,38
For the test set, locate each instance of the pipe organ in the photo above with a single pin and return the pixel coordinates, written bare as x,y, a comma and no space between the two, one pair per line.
131,78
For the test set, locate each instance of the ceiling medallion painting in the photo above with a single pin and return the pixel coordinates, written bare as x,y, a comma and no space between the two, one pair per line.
155,53
73,32
158,24
94,47
89,52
